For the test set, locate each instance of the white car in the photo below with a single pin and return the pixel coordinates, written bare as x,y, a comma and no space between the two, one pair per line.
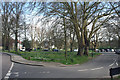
97,50
75,50
112,50
22,49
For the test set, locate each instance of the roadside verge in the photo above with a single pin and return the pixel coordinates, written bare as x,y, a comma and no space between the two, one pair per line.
18,59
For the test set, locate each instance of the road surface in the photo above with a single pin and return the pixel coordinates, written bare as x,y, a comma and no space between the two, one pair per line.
96,68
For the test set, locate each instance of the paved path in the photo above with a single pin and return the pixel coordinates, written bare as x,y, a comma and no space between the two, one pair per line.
96,68
18,59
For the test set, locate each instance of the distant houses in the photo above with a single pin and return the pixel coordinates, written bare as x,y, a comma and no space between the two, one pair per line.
47,44
19,44
12,44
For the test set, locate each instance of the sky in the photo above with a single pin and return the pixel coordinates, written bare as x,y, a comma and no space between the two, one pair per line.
58,0
34,19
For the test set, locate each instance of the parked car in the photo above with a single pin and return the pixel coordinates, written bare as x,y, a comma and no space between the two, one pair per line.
112,50
22,49
28,49
100,50
117,51
55,50
75,50
103,50
97,50
46,49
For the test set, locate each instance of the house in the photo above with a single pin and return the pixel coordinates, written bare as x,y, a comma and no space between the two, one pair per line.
19,44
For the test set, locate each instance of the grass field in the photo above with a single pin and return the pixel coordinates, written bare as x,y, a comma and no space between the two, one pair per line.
50,56
118,77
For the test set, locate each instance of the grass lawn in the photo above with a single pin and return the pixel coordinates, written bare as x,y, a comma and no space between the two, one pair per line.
118,77
50,56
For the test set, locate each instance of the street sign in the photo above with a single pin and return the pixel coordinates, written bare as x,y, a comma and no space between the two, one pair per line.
114,71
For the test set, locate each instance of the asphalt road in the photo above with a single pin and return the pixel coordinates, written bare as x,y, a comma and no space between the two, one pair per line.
0,66
6,63
96,68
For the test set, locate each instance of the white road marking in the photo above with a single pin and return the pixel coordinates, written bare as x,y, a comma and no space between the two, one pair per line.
25,72
116,63
48,72
44,72
6,77
9,72
83,70
11,66
16,73
97,68
91,69
106,76
112,63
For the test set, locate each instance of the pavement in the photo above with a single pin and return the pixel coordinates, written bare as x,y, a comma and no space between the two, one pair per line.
95,68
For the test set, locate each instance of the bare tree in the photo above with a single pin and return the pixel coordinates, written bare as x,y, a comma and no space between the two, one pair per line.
18,10
40,35
113,28
82,15
6,24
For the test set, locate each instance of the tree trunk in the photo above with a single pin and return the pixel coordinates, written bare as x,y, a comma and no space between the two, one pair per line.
109,42
4,45
119,42
87,44
86,52
8,40
80,39
72,41
71,48
16,40
87,41
80,47
65,46
80,50
96,42
8,43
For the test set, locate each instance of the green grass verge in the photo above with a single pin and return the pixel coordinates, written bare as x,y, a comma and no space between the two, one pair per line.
50,56
118,77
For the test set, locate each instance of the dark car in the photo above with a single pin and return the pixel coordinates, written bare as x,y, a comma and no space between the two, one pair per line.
45,49
55,50
28,49
117,51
